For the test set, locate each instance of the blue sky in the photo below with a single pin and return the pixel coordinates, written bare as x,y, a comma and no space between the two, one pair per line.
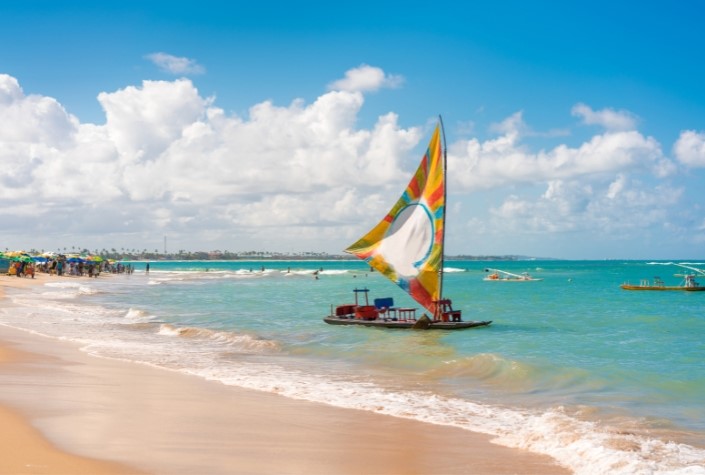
574,130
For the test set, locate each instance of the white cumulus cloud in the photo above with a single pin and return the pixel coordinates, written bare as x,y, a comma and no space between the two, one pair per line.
689,149
506,160
175,65
366,78
143,122
610,119
168,161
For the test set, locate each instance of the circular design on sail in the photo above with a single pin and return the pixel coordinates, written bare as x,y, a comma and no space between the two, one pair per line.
409,240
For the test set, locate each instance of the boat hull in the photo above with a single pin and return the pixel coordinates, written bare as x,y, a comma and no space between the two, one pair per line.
405,324
660,287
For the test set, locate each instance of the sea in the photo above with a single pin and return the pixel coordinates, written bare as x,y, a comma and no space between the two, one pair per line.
602,379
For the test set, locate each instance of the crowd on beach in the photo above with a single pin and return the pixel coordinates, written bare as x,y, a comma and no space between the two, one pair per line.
24,265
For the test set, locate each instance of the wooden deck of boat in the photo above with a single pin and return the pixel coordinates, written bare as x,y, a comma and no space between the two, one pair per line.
405,323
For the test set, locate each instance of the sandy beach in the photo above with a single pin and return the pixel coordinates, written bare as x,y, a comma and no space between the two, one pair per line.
63,411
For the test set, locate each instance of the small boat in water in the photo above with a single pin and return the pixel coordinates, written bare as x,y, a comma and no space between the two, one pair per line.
383,314
498,275
688,283
407,248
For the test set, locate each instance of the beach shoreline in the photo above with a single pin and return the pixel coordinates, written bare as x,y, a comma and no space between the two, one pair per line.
125,417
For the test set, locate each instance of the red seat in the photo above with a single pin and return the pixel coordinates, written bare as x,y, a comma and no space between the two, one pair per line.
366,312
344,310
445,312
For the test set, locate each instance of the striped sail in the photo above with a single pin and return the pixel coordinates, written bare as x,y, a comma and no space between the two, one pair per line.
407,245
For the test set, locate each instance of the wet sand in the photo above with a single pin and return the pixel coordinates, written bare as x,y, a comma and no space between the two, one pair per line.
25,450
81,414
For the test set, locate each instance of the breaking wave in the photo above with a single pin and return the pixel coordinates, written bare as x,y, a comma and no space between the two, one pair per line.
241,341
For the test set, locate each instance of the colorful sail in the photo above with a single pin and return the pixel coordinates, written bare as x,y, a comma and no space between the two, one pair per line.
407,245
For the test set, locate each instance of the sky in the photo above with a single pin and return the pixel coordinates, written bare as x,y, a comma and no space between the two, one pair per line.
574,130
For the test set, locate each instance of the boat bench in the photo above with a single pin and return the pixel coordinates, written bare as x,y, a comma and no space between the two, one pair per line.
345,310
407,313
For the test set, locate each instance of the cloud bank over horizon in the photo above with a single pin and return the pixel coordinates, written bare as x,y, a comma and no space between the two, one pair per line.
305,176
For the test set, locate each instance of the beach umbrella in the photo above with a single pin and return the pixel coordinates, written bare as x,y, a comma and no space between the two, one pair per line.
22,258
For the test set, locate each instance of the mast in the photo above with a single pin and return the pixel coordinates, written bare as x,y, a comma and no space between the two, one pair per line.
445,204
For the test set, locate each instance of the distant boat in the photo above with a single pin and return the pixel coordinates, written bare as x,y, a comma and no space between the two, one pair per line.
688,283
497,275
407,248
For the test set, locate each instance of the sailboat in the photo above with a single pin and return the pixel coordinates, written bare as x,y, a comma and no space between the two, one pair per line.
689,284
497,275
406,246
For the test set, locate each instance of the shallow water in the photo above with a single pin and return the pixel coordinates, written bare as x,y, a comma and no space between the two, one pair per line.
602,379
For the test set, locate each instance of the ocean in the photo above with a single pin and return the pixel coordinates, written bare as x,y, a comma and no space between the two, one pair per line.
602,379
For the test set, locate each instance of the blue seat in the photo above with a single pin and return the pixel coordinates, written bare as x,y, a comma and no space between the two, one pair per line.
387,302
386,306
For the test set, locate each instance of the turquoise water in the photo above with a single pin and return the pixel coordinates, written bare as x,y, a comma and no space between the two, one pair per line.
602,379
